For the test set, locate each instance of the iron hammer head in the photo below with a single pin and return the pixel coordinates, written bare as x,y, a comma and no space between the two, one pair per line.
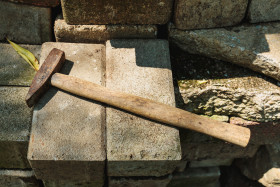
40,83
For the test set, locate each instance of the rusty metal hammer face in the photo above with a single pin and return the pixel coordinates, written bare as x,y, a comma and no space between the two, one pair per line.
41,81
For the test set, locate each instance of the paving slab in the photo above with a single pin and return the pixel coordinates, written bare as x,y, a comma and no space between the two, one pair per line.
67,138
15,120
264,11
42,3
196,177
139,181
25,23
14,70
100,33
198,14
116,12
137,146
251,46
18,178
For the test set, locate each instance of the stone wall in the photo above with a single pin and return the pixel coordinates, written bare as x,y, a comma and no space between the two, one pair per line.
216,58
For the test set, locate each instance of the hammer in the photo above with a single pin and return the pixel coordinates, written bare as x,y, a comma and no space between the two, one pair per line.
47,75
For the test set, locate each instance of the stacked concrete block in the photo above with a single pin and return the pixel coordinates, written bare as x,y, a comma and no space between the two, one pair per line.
97,21
16,178
15,71
198,14
140,181
137,146
15,120
211,163
15,116
264,11
67,144
25,23
116,12
196,177
100,33
42,3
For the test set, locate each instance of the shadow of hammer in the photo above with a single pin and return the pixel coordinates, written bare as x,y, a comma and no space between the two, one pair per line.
47,75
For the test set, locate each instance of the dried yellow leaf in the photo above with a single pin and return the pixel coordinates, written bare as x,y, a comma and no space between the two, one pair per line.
27,55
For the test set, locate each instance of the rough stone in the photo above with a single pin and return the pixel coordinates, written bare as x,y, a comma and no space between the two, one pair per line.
196,177
211,163
100,33
194,68
43,3
197,14
137,146
264,166
18,178
116,12
139,181
264,11
252,46
67,137
219,118
207,86
15,120
14,70
251,98
24,23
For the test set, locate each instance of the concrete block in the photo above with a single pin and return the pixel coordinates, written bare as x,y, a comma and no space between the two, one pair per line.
137,146
116,12
43,3
252,46
264,11
14,69
18,178
211,163
139,181
24,23
197,177
67,138
100,33
15,120
198,14
73,183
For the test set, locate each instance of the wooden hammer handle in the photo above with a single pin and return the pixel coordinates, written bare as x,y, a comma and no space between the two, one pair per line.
153,110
